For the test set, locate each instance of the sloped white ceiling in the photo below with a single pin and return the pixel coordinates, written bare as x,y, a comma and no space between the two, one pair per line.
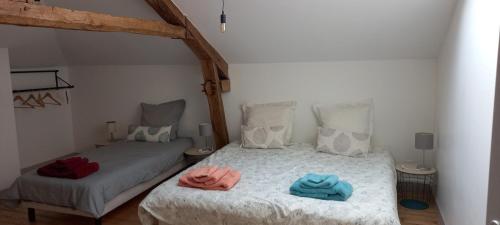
324,30
94,48
258,31
31,47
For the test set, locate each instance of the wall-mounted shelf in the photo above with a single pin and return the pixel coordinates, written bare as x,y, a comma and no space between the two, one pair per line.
56,86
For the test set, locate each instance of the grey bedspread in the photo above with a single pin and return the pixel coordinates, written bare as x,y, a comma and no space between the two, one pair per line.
122,166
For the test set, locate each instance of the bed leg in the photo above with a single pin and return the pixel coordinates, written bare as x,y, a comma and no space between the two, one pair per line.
98,221
31,215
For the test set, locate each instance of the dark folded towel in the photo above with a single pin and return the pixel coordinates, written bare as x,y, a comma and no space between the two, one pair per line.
85,170
69,163
73,168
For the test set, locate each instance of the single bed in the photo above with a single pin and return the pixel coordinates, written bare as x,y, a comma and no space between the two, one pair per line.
262,196
126,170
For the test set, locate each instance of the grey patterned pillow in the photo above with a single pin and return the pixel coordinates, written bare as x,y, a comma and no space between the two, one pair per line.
336,141
164,114
149,134
263,137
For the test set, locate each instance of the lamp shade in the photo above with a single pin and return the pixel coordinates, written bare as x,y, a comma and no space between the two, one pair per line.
424,141
111,127
205,129
111,130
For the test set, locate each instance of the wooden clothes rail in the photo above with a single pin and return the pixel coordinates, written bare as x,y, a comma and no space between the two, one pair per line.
57,79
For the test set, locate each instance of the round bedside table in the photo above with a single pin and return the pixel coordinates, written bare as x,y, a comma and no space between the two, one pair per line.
194,155
415,186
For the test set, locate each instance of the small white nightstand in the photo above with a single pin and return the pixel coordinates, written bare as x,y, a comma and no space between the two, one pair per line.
194,155
415,186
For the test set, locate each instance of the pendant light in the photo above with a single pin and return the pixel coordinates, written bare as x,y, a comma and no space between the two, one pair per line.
222,19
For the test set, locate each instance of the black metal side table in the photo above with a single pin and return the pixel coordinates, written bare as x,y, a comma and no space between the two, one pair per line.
194,155
415,186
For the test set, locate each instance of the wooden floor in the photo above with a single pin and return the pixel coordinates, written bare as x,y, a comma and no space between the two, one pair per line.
127,215
429,216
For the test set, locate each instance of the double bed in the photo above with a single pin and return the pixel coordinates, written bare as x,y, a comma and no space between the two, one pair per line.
262,195
126,170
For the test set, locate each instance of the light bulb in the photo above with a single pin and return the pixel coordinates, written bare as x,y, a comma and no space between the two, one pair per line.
222,22
223,27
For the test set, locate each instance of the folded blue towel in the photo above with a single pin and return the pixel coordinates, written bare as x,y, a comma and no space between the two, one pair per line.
341,191
297,186
319,196
315,178
312,180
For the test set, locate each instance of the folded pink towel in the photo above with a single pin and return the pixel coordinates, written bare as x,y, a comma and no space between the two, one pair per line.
212,178
202,174
221,179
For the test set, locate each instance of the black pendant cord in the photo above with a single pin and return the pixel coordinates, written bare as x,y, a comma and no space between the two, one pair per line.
223,18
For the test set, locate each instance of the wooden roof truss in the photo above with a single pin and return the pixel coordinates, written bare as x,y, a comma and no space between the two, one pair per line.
175,25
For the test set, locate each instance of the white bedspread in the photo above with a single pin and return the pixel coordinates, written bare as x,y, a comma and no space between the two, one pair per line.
262,196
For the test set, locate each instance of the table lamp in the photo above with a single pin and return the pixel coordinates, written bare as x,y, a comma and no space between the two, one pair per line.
424,142
205,130
111,129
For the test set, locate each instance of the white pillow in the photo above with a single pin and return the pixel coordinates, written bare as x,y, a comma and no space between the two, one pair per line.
337,141
149,134
271,115
355,117
262,137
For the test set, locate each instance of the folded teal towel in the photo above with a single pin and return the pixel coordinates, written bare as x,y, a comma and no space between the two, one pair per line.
341,191
312,180
297,186
315,178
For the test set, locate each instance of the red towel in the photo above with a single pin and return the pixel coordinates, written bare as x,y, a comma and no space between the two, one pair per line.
84,170
73,168
69,163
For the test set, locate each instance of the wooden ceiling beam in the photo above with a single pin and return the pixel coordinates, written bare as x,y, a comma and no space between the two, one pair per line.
195,40
35,15
212,89
214,67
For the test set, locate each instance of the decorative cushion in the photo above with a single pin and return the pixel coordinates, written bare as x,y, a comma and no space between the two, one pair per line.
149,134
355,116
342,142
271,114
165,114
263,137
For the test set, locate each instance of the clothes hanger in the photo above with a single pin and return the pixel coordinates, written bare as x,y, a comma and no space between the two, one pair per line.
48,95
32,97
19,98
39,100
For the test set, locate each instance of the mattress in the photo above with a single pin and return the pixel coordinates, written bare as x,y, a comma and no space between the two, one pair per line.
262,195
122,166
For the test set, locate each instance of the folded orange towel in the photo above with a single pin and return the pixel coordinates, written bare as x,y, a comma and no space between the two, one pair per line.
202,174
222,179
211,179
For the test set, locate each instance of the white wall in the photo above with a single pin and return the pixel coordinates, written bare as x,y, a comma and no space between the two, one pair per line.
43,133
466,84
106,93
403,90
9,159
